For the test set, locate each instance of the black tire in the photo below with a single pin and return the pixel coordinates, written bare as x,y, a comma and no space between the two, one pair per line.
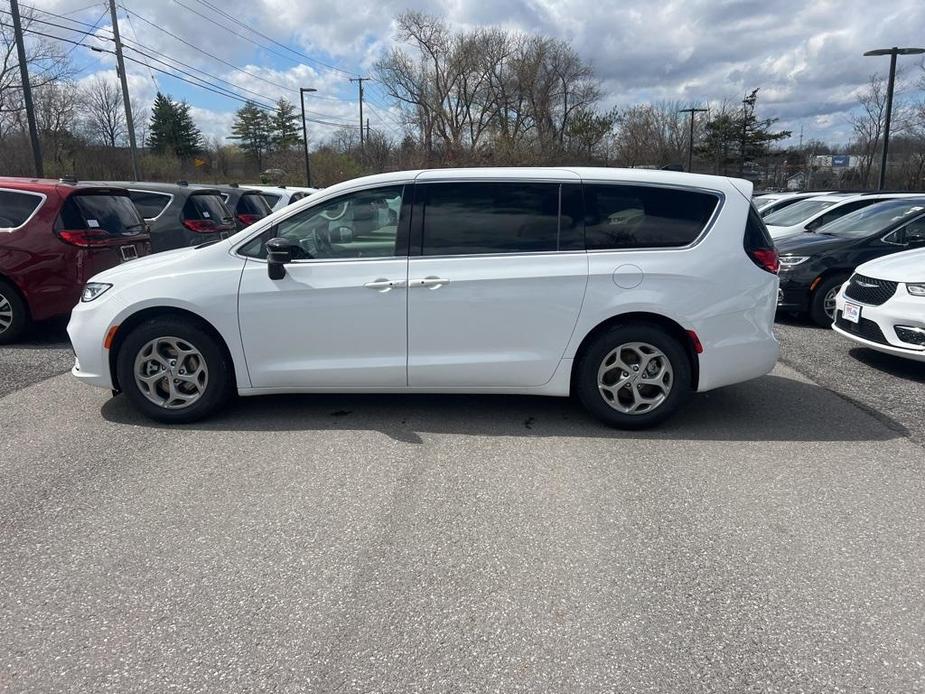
214,393
592,358
15,314
817,302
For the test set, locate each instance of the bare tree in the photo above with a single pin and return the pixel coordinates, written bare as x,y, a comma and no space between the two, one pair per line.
103,112
868,121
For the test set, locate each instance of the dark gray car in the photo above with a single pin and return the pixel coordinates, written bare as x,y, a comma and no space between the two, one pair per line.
181,215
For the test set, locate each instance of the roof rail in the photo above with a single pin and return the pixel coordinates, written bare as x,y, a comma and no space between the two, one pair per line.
70,179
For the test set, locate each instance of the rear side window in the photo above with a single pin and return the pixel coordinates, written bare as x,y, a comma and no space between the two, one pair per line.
621,216
112,214
16,208
254,204
149,204
206,206
467,218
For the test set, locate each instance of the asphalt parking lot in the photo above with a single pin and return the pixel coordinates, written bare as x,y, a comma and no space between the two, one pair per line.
770,538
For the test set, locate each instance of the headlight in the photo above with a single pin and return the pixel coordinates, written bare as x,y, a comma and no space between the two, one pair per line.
93,290
791,260
916,289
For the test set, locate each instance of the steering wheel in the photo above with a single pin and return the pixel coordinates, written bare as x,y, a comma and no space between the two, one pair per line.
337,216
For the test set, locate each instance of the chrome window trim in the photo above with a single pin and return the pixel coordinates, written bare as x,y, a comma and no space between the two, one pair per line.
42,198
718,194
169,196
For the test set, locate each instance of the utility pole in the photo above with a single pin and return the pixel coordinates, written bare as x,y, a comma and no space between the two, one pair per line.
360,81
308,172
129,123
27,91
690,142
367,129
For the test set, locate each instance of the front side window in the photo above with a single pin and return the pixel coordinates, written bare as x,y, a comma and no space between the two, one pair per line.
16,208
358,225
470,218
628,216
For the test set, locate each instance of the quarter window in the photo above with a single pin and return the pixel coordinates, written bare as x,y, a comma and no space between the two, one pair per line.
467,218
360,225
623,216
149,204
16,208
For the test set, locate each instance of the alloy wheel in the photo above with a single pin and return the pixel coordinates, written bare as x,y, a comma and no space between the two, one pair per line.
6,314
828,303
171,372
635,378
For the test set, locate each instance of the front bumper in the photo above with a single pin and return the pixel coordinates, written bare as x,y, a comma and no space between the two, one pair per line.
794,294
87,328
877,326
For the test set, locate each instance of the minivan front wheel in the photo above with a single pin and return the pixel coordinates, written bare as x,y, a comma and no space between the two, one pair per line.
173,371
633,376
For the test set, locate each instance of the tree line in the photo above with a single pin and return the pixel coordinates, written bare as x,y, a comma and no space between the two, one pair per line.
463,97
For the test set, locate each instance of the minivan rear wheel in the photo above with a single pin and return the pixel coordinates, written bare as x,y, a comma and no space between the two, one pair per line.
14,316
174,371
633,376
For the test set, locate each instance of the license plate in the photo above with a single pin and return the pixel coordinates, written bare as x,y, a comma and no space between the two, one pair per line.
128,252
852,312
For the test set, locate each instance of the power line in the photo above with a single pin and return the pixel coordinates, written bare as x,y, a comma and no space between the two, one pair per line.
272,40
92,30
65,17
131,26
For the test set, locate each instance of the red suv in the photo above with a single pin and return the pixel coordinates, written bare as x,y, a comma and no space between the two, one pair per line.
54,236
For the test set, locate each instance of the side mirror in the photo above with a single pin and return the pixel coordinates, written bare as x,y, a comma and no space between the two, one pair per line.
279,252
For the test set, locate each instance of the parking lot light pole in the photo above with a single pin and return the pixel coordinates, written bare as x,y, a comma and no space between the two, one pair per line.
308,171
892,52
690,143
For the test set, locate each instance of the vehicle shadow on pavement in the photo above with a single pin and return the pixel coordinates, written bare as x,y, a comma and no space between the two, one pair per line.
772,408
900,367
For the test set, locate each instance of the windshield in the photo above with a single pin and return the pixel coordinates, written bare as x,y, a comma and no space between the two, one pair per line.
797,213
870,220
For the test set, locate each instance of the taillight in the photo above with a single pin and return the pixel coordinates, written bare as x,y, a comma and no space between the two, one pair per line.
246,219
200,226
85,238
765,258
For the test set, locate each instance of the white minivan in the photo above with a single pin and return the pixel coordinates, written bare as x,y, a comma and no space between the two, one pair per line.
628,288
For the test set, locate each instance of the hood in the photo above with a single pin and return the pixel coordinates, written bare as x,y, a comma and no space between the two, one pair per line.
908,266
147,264
807,243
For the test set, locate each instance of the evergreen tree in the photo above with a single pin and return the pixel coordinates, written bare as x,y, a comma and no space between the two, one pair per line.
285,126
738,136
252,129
172,129
189,137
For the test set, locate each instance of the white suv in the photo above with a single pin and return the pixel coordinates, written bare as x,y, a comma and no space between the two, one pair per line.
629,288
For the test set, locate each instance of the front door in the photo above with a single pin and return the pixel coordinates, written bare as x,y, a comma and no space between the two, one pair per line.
339,316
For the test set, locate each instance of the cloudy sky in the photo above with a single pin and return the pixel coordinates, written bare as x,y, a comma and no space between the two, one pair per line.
804,54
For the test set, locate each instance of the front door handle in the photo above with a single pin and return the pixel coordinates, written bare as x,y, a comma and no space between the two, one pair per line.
429,282
383,285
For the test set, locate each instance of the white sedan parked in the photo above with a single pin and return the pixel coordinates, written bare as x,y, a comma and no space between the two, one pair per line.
882,306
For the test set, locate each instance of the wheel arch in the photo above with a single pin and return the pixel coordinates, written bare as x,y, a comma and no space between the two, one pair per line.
134,320
669,325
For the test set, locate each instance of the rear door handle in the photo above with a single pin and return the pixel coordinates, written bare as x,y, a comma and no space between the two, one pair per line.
383,285
429,282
